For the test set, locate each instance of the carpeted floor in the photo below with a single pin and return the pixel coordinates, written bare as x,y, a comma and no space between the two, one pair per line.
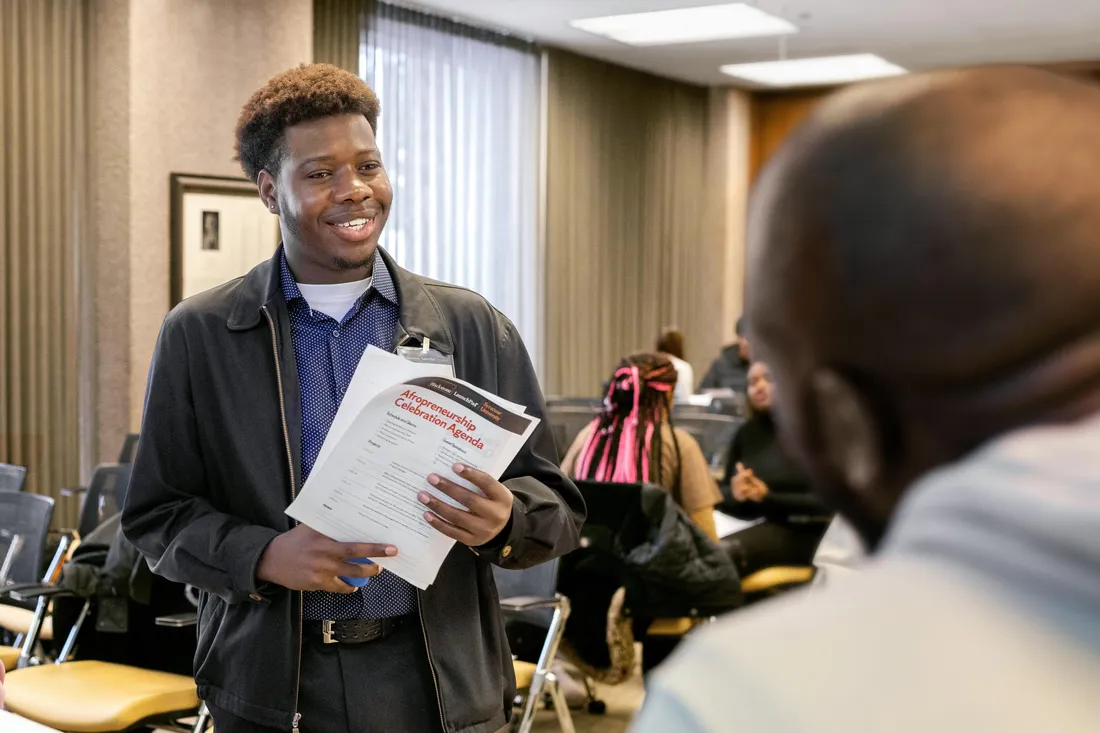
622,702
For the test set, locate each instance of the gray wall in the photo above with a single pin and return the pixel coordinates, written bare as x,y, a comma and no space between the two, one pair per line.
169,82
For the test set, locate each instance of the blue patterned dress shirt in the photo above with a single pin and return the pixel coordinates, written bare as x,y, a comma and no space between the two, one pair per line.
327,353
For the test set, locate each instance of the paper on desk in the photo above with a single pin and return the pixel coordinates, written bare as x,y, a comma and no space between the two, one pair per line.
366,489
727,525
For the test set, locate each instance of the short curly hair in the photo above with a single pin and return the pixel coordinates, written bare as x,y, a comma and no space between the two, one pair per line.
307,92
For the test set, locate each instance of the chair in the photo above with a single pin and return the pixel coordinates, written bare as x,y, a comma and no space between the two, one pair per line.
11,724
24,526
733,404
615,524
129,448
105,495
773,581
126,456
12,477
100,697
660,613
103,697
592,403
714,433
686,408
29,626
100,501
566,422
530,593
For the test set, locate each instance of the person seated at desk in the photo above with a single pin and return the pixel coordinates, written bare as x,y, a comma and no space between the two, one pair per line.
730,369
671,344
763,482
633,440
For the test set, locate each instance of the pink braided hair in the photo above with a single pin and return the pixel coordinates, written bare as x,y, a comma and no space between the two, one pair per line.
642,383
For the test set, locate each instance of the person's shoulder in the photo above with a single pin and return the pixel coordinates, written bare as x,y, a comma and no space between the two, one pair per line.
902,646
461,302
849,653
731,353
468,311
453,294
774,654
805,622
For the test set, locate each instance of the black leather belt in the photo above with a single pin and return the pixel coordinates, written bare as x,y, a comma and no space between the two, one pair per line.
355,631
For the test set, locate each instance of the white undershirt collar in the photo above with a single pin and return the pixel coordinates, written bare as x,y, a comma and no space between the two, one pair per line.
334,300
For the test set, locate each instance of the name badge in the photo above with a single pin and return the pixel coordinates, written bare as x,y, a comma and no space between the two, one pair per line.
425,354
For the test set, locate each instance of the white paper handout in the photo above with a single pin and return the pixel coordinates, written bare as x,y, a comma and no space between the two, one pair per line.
376,370
364,486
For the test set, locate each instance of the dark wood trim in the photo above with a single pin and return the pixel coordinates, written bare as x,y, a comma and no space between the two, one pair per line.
179,185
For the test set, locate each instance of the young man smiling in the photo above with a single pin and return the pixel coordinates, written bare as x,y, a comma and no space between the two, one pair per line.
245,382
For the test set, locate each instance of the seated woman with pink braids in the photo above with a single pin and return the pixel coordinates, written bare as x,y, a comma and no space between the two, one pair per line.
633,440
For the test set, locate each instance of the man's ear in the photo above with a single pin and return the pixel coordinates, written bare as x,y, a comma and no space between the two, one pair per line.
848,430
265,182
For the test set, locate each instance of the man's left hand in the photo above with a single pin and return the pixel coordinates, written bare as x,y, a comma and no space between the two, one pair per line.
488,514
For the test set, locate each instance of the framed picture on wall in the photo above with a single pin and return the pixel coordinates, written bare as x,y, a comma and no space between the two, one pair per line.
220,231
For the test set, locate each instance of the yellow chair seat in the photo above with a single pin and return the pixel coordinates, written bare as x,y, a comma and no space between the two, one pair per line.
96,697
670,627
18,620
8,657
14,724
767,578
525,673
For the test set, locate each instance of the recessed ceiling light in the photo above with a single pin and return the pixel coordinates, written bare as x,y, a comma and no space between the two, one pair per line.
816,71
687,25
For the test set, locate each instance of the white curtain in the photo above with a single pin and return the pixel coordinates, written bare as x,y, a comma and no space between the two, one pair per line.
459,132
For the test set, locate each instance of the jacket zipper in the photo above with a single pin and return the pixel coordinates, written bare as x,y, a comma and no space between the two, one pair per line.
420,612
431,663
293,492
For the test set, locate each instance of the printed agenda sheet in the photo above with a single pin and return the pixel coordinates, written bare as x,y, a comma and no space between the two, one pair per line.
365,484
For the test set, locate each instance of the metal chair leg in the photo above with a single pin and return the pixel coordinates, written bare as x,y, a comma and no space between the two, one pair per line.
527,715
561,707
26,654
70,640
203,720
546,658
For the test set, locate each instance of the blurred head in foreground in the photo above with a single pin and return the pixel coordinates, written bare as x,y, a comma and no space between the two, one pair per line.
924,275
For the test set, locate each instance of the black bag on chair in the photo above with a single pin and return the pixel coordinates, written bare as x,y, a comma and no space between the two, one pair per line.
638,538
677,558
126,598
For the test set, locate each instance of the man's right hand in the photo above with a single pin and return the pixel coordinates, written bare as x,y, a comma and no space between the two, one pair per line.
304,559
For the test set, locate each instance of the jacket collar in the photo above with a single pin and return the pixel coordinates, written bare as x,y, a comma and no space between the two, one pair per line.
381,282
420,314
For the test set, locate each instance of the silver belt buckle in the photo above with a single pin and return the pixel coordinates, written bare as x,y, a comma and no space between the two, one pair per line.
326,632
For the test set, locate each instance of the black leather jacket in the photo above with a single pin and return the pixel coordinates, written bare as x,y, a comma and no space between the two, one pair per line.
219,461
